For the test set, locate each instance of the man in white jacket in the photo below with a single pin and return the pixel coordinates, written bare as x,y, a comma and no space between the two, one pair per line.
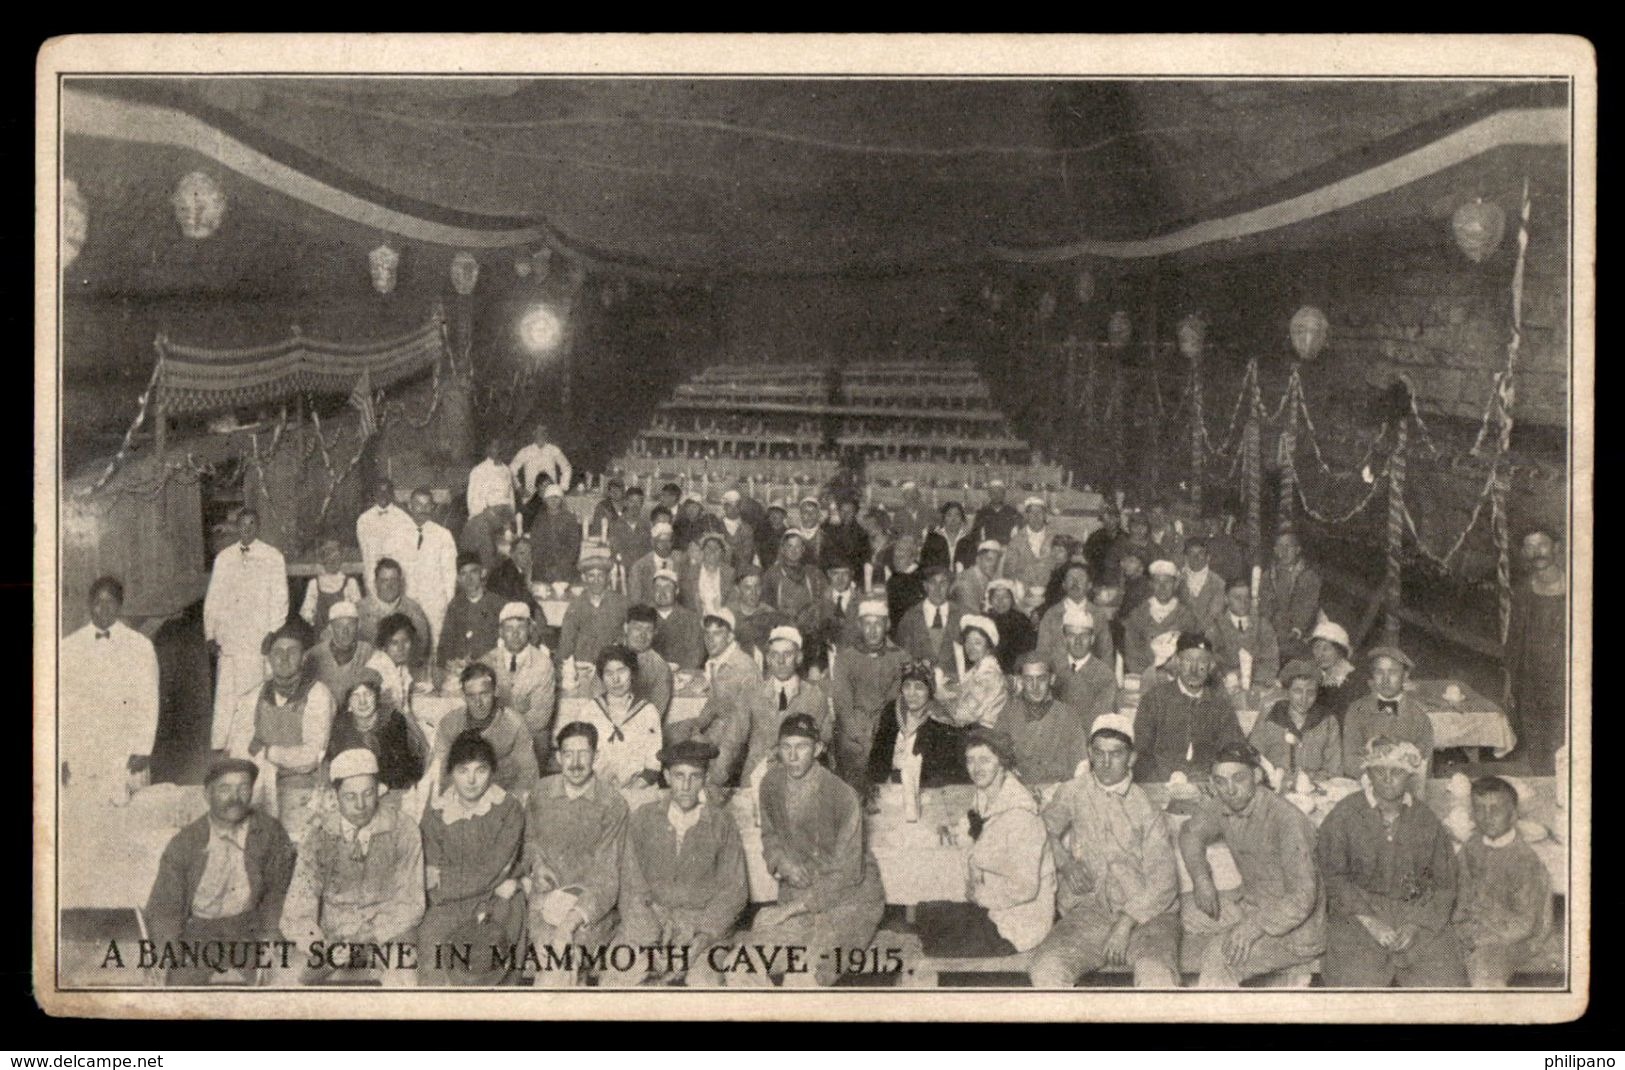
428,560
382,530
247,599
107,700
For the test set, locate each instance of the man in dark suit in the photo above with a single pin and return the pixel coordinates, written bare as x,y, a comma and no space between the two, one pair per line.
929,629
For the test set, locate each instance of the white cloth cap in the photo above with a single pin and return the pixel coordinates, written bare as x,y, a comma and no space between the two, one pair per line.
990,544
1005,584
514,611
810,500
552,491
785,634
995,482
662,528
1395,754
1331,632
1114,721
981,624
665,574
873,608
1076,618
357,761
343,610
1164,568
908,484
731,496
1033,500
723,614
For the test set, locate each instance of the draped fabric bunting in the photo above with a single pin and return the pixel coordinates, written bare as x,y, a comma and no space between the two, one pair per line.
195,379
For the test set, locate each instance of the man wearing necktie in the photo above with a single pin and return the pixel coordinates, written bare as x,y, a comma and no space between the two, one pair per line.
525,681
928,631
783,694
382,530
1389,710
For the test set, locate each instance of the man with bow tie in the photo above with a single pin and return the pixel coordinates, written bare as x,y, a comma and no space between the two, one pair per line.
1389,710
247,600
107,700
382,529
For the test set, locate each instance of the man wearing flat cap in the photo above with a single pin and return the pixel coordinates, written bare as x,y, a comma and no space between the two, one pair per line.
595,618
783,694
526,683
830,893
472,620
1118,887
866,679
282,726
928,630
1390,869
1276,920
223,876
683,880
359,878
1027,554
724,722
1387,710
1152,629
1181,724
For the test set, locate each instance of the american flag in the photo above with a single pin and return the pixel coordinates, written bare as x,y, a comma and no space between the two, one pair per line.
361,401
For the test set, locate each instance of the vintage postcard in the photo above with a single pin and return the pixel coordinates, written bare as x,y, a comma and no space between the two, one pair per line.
1068,528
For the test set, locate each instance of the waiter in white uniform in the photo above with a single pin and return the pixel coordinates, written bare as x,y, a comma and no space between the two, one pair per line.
107,701
428,559
248,598
382,531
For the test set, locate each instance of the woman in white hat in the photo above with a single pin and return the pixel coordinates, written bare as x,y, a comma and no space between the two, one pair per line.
1329,646
983,690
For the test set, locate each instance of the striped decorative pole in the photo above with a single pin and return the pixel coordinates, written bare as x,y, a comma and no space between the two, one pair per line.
1253,464
1289,450
1198,456
1396,533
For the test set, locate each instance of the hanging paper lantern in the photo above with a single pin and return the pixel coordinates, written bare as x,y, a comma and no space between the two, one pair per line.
1479,226
606,296
383,262
1046,305
1085,286
200,205
1192,335
75,222
1119,329
465,272
1309,330
522,266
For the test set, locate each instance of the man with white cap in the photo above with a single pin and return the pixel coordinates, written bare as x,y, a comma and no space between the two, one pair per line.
970,586
912,517
997,519
867,676
339,658
1027,555
740,535
1390,870
1153,627
247,598
1118,880
525,681
359,877
1387,710
596,617
1074,600
1239,629
724,722
1082,680
1329,648
555,539
678,635
784,693
660,558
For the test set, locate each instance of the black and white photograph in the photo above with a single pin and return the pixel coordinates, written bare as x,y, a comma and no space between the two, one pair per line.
1105,522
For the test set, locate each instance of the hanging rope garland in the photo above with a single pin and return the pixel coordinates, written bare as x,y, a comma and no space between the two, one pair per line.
1397,516
1287,448
1253,448
142,403
1194,394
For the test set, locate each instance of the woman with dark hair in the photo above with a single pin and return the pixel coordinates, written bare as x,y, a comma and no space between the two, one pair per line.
1018,634
1059,560
914,729
367,722
629,735
392,661
473,836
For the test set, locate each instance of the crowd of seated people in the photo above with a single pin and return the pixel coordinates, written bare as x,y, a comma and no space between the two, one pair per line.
849,658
